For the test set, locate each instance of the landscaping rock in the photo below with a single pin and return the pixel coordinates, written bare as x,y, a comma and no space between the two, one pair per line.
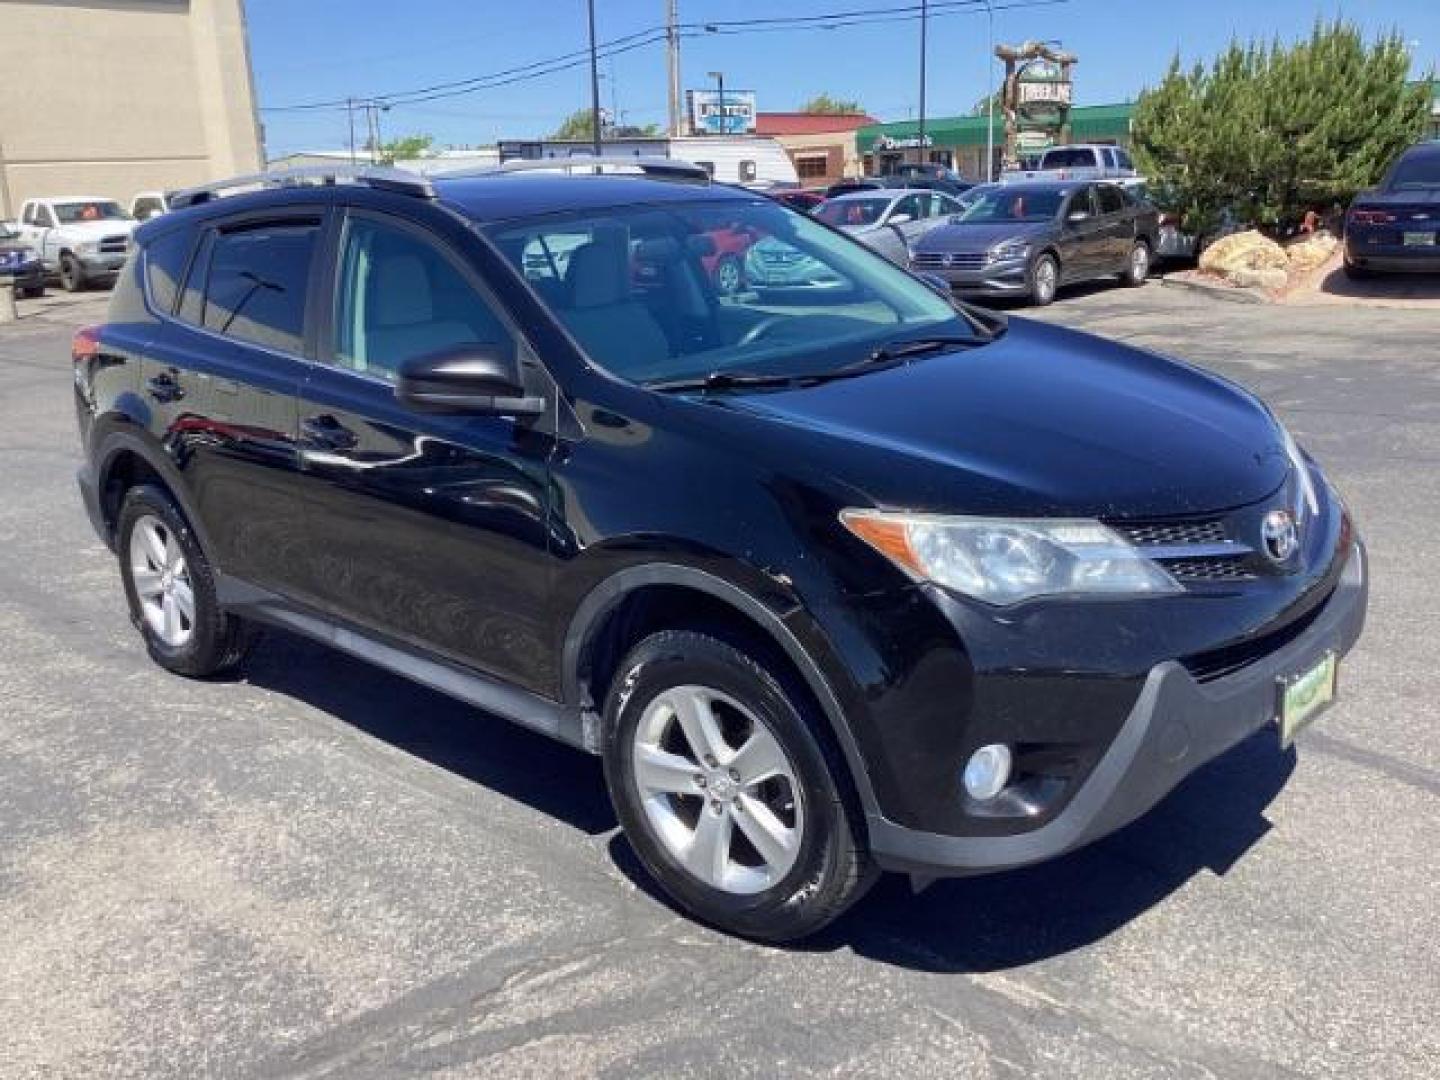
1312,253
1244,251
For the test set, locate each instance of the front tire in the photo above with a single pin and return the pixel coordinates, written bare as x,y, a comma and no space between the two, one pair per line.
731,799
171,590
72,274
729,276
33,292
1044,280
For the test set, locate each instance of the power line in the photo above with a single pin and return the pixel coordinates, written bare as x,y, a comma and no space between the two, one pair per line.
653,35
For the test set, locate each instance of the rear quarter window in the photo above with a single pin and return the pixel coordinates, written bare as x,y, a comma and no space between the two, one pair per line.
165,260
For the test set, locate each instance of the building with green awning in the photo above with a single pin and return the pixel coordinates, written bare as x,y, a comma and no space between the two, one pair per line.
960,141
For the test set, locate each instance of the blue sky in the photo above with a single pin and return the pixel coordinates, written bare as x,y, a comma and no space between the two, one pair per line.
311,50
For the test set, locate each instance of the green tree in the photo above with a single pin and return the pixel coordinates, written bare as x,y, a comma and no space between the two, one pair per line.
1268,131
405,147
577,126
824,103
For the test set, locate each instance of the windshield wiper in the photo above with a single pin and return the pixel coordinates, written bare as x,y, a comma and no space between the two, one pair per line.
900,350
722,380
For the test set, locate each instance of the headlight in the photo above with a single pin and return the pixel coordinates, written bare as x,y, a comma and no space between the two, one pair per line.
1302,470
1004,562
1011,249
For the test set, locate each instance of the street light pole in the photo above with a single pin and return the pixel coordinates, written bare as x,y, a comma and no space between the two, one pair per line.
924,28
594,82
719,77
990,97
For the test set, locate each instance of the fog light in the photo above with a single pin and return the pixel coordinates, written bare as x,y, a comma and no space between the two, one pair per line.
988,771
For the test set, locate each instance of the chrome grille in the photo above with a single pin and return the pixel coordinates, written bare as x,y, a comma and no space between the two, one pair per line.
958,260
114,245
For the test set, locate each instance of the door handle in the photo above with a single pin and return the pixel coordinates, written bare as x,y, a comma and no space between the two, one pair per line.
164,388
327,433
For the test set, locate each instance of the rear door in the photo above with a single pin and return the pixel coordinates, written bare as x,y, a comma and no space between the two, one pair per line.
429,528
222,381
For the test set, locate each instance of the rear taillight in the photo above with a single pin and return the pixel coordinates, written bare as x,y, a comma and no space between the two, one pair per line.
1371,217
85,345
1169,219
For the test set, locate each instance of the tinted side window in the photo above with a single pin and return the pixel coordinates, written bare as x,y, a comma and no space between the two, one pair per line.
256,285
165,259
1124,159
398,297
1111,201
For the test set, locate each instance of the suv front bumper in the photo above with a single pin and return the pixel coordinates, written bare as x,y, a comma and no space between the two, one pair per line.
1176,726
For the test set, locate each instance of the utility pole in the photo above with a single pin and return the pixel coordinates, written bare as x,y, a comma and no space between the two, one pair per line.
990,97
594,82
924,27
719,77
672,48
350,117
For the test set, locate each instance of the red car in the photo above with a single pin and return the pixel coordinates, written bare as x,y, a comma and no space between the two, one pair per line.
726,263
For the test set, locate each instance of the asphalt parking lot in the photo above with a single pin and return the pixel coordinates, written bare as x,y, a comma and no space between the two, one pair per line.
322,870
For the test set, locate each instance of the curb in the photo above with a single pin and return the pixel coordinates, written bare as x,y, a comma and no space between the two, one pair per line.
1218,292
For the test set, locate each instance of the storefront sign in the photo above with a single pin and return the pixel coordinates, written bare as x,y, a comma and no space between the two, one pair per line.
908,142
708,118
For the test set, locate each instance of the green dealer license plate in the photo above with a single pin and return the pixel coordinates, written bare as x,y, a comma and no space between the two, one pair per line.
1306,696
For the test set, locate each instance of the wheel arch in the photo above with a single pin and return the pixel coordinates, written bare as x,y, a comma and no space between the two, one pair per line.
124,461
588,657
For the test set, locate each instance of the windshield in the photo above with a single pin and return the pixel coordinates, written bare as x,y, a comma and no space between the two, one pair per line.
1422,170
93,210
663,293
1015,204
848,213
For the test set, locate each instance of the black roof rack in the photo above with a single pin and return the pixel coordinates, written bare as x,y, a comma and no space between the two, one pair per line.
376,176
655,168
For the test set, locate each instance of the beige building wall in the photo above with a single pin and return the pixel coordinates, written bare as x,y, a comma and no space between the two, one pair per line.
114,97
840,146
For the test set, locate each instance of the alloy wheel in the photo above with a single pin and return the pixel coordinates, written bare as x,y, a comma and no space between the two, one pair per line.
718,789
162,583
1045,281
1139,263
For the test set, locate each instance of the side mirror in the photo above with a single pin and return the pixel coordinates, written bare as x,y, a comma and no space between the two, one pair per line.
899,219
1077,216
481,378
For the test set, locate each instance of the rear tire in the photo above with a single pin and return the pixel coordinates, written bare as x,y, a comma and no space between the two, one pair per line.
171,590
34,292
1357,273
729,275
1044,280
1137,267
706,749
72,274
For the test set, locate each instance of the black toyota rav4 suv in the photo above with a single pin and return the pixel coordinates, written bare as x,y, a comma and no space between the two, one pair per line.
837,575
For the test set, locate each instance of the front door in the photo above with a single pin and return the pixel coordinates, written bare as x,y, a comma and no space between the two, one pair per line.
1082,240
428,528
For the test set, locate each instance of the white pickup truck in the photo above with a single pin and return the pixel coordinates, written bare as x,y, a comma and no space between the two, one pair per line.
80,238
1081,161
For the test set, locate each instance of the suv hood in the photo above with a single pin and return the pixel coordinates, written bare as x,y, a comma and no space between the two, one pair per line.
1043,422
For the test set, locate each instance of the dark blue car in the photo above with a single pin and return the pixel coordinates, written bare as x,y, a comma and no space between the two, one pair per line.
1394,226
20,263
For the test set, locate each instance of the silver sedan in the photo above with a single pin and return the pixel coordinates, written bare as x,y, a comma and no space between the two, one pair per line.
889,220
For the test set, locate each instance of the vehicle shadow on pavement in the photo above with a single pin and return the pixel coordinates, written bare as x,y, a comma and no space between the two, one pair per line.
1383,287
988,923
1000,921
484,749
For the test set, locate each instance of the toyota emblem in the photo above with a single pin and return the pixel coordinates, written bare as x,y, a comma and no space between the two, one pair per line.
1279,535
947,260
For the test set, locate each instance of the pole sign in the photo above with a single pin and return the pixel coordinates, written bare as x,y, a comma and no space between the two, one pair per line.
708,118
1036,97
